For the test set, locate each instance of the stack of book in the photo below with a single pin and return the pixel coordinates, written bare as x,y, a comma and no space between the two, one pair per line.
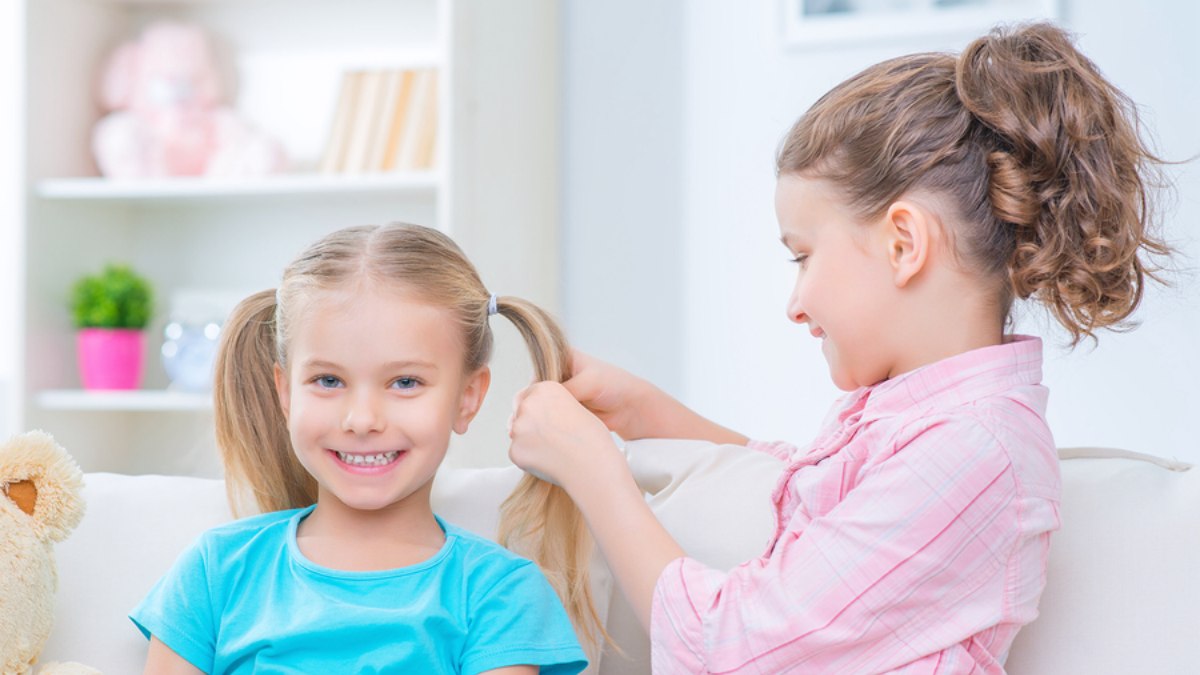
385,120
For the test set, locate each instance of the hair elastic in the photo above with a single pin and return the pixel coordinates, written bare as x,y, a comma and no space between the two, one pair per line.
492,309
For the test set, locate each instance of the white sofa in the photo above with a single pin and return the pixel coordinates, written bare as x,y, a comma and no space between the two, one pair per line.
1123,594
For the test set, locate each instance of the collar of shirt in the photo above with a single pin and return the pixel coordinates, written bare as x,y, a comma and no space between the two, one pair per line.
952,381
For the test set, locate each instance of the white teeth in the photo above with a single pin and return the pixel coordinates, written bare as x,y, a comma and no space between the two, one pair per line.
369,460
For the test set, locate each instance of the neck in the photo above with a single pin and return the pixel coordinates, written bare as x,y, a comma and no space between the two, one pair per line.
945,322
341,537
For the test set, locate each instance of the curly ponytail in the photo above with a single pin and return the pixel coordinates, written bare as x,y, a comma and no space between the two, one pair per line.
1071,175
1039,154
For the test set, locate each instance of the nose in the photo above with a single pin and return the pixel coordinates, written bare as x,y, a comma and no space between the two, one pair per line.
363,413
795,311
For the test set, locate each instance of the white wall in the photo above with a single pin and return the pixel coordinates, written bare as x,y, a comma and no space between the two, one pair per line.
739,360
11,205
621,206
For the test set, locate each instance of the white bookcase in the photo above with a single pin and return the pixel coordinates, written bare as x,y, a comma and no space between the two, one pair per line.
494,188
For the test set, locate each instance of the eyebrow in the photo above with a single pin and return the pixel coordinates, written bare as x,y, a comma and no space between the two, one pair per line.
391,365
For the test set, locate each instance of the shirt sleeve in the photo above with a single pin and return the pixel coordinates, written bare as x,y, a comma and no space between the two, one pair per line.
520,621
777,449
179,610
907,564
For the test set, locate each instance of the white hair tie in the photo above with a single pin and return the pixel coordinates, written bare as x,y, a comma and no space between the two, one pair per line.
492,309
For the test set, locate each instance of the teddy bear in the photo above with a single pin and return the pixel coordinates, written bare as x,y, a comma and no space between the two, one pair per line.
39,505
167,119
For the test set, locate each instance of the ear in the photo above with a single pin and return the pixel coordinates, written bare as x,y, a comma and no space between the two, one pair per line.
23,493
283,389
908,232
474,389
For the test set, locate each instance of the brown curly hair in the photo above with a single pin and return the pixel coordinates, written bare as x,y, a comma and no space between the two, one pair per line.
1040,156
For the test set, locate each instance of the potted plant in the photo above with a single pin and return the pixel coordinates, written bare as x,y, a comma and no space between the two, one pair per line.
111,310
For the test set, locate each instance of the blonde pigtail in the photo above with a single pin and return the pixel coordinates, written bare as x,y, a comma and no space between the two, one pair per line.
251,430
538,519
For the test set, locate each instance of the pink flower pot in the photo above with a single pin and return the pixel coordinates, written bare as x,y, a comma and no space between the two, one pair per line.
110,358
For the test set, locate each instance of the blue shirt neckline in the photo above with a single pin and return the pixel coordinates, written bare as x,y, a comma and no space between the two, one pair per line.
300,560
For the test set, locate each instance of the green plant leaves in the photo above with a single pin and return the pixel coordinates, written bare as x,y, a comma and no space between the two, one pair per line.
116,298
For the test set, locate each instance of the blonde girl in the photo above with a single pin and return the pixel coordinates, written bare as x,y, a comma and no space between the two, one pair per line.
335,398
918,199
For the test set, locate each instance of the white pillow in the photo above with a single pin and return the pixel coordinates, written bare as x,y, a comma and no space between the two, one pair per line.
714,499
1122,594
131,533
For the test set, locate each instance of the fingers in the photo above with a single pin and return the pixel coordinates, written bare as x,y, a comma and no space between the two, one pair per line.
579,360
516,407
537,390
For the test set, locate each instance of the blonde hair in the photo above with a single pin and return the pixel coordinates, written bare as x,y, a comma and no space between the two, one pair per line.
1038,153
538,519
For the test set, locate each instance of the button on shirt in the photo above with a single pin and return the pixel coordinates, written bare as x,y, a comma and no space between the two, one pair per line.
911,536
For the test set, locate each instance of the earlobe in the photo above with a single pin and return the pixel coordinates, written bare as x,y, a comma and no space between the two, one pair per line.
474,391
283,390
909,233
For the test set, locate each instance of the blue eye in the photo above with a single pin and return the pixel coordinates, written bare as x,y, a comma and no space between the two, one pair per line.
406,383
327,382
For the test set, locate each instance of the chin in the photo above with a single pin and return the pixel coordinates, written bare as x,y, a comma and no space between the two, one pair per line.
841,379
373,502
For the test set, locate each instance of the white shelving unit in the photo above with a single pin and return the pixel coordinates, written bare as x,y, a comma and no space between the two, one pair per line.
424,184
112,401
494,189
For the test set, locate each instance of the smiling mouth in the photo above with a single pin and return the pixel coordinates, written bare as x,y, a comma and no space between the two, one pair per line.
377,459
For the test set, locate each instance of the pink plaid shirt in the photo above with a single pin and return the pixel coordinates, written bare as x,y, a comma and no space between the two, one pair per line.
911,536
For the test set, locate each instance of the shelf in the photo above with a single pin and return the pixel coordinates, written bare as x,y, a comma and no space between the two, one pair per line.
139,400
183,189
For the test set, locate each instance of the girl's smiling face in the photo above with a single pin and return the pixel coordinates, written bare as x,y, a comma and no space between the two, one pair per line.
374,385
843,280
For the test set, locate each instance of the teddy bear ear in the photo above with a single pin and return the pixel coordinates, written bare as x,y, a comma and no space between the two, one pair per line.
117,79
34,458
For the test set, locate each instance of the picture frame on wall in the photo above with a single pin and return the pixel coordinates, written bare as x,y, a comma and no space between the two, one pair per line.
823,23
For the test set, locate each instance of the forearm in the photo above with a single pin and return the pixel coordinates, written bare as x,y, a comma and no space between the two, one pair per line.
659,415
636,546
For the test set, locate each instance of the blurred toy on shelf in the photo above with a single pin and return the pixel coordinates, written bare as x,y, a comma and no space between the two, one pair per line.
168,118
191,335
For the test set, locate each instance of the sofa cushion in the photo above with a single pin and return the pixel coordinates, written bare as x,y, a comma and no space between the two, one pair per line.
1121,596
132,530
1121,593
714,499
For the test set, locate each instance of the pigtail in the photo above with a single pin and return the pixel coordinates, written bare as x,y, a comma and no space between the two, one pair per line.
539,519
251,430
1069,176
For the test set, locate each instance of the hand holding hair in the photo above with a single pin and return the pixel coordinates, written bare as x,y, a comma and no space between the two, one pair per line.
556,439
612,394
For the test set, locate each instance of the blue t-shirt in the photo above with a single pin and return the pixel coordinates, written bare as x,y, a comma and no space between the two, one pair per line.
243,599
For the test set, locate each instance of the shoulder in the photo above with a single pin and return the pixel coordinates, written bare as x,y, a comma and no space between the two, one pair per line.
476,550
487,565
993,441
247,532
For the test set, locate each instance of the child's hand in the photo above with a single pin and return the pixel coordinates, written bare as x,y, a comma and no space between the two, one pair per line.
557,439
612,394
634,408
